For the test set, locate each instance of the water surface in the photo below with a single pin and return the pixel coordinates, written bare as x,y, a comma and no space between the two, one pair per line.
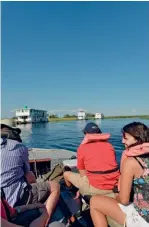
68,134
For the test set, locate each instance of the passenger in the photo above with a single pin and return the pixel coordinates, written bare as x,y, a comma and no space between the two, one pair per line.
96,162
17,181
8,224
134,175
14,217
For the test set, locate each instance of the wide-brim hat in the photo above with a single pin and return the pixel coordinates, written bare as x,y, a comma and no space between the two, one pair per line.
18,130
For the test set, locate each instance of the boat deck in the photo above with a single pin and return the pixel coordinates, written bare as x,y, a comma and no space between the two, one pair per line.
54,155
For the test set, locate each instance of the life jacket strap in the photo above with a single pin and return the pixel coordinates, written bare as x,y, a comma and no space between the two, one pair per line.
104,172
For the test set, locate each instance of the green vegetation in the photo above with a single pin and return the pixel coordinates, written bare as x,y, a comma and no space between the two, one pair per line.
145,117
135,116
53,116
68,117
90,115
63,119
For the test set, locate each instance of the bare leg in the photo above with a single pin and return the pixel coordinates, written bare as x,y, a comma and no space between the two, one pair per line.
41,221
102,206
53,198
67,175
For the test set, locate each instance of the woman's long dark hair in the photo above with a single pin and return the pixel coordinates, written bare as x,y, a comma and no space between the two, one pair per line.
139,131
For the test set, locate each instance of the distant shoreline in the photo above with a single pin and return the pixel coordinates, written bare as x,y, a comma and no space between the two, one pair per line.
145,117
92,118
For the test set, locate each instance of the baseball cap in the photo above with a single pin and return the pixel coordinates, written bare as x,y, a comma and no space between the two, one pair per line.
91,128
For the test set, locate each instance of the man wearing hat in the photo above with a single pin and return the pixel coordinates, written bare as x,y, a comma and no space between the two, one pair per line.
96,163
17,181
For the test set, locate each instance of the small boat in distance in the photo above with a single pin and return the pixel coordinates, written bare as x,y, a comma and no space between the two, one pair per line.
99,116
82,115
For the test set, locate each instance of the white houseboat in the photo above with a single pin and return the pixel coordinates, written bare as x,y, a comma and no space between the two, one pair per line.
81,115
99,116
28,115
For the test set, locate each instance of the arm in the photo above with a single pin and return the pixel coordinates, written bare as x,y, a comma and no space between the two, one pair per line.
30,207
41,221
28,174
80,162
127,175
30,177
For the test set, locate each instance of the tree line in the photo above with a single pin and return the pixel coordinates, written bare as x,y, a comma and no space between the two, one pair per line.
71,115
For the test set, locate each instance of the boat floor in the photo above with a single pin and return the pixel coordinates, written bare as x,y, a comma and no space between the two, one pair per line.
69,206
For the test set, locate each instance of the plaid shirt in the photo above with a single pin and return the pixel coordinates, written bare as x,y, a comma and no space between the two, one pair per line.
14,165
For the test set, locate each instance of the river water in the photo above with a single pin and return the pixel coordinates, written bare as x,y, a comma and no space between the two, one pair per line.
68,135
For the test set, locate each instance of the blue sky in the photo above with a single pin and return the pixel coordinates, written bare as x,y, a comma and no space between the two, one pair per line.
70,55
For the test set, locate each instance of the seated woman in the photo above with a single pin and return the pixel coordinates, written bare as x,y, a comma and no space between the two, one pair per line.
134,175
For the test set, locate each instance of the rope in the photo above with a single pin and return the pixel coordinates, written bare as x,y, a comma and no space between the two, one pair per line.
36,174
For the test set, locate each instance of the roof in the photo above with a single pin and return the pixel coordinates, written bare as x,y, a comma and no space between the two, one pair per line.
30,109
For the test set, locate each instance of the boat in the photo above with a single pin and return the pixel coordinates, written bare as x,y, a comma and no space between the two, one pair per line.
42,162
81,115
28,115
99,116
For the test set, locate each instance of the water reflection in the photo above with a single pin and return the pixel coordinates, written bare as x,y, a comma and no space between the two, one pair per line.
81,124
98,122
26,132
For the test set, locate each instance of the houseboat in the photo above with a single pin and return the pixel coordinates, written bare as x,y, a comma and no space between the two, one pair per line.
28,115
81,115
99,116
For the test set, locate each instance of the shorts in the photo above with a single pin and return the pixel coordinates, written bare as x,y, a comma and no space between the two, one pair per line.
40,192
133,219
27,217
82,183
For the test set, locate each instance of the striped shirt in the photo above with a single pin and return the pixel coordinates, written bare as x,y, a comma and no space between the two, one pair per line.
14,165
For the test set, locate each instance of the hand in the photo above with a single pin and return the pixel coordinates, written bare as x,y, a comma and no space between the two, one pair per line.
77,195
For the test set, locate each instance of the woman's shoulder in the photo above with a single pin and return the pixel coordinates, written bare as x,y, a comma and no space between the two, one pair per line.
130,164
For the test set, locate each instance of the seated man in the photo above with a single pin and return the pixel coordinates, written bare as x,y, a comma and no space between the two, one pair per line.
96,162
17,181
